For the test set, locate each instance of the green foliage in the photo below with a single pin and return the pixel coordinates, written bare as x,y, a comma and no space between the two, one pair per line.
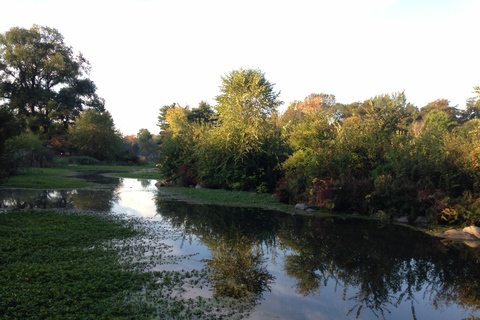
82,160
28,150
371,163
94,135
241,150
43,81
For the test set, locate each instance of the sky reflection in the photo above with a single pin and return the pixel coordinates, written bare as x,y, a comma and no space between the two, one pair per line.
363,262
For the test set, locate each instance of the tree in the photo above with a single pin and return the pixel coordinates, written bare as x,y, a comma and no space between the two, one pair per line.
146,143
247,97
94,135
473,106
162,120
42,80
202,114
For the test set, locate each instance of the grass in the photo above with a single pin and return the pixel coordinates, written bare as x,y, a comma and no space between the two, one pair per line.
64,177
45,178
230,198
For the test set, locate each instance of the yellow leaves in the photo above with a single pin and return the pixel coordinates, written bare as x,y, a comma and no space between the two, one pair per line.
177,119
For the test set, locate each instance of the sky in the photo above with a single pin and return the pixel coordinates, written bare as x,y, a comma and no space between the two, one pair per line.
145,54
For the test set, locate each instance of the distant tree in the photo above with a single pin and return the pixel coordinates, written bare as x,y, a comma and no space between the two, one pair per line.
441,105
472,110
42,81
202,114
130,143
94,135
146,143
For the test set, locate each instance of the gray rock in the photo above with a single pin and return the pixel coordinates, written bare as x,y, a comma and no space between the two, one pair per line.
301,206
421,219
306,207
403,219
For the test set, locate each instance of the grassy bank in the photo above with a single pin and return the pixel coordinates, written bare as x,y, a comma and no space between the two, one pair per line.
64,177
228,198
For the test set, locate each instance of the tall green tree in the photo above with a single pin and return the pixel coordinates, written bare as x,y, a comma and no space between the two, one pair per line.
94,135
146,143
42,80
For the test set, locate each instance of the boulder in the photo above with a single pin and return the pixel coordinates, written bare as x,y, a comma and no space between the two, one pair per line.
472,230
403,219
306,207
160,184
301,206
456,235
421,220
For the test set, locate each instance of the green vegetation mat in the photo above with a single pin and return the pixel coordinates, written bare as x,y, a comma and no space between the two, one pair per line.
85,265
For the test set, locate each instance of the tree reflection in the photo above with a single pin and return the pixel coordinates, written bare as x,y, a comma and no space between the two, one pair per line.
101,199
238,268
383,268
237,239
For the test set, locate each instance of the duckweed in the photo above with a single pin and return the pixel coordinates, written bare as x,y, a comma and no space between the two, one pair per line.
61,264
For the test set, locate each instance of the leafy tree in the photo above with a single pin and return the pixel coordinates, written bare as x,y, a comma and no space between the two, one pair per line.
162,120
94,135
42,80
130,143
247,97
146,143
8,129
202,114
472,110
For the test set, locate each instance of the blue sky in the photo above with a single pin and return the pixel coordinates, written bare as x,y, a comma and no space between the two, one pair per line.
146,54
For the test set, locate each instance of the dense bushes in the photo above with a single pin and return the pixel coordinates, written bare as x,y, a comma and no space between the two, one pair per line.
383,156
374,163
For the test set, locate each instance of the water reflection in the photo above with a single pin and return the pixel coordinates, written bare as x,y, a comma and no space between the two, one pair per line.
284,267
378,270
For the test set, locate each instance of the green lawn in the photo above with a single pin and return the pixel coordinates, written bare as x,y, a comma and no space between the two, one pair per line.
64,177
45,178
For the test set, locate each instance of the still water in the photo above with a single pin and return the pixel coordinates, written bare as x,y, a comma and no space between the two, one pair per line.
293,268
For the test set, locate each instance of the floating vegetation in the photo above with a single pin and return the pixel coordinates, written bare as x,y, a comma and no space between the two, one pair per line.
86,264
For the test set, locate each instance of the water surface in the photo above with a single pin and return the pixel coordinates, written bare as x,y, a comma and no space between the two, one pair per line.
293,268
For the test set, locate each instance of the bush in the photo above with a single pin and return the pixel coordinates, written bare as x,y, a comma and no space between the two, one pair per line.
83,160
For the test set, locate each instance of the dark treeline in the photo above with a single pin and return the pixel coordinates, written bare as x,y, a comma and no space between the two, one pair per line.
380,156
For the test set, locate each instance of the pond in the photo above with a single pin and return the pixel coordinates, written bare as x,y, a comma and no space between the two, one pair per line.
292,267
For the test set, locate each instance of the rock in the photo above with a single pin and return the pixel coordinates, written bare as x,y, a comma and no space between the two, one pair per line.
420,220
301,206
296,214
198,186
160,184
306,207
456,235
472,244
473,230
403,219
